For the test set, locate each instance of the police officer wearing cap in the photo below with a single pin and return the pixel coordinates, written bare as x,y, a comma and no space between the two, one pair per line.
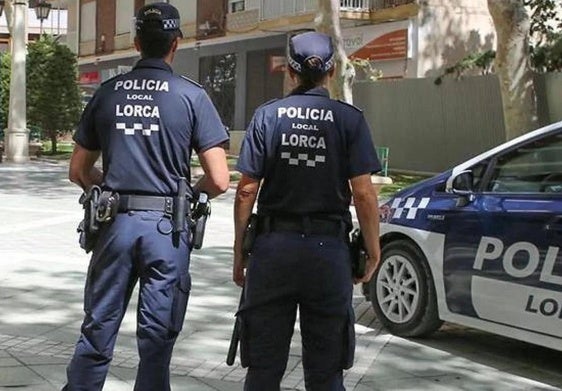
145,124
307,155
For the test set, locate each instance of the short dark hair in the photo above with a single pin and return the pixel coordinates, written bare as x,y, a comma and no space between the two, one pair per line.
157,26
155,43
310,78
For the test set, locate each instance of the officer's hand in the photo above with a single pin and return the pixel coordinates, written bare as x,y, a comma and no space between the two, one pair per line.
238,270
370,266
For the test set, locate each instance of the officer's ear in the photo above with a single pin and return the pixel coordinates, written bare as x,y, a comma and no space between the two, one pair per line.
292,74
331,72
137,43
175,44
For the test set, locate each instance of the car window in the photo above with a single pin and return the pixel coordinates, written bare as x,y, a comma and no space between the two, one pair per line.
535,167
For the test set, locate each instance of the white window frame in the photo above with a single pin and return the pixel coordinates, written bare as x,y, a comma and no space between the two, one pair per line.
234,4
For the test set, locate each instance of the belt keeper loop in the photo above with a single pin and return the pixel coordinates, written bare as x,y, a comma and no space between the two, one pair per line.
169,205
306,225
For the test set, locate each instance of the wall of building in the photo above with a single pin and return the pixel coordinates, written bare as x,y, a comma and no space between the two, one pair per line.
255,83
448,30
87,27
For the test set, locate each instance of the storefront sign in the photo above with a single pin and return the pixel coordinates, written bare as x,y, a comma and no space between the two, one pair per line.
390,46
92,77
387,41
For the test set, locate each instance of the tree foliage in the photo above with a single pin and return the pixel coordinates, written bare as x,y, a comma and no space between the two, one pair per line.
53,96
546,34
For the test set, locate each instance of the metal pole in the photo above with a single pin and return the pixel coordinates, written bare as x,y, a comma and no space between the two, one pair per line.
17,134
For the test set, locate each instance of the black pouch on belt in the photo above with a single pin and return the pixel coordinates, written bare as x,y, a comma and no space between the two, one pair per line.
358,254
180,207
250,235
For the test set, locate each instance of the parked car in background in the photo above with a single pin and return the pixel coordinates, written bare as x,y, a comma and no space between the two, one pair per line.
478,245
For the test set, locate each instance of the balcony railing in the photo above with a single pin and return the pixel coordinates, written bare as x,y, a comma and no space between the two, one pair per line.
355,5
379,4
273,9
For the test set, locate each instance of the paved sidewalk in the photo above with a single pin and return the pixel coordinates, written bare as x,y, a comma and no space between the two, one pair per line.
42,272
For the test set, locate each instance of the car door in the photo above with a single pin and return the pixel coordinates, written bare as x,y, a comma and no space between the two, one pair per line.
502,257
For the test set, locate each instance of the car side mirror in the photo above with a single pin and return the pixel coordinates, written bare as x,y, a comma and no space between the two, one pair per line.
462,185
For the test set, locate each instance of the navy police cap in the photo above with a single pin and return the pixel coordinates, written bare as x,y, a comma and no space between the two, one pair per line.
161,16
305,46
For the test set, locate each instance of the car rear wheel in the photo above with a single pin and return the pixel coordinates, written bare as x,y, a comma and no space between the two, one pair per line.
402,292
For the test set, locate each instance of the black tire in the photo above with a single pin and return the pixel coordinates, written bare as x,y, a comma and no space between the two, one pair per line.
402,291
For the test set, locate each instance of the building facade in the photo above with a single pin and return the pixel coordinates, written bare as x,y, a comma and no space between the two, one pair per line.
55,25
236,48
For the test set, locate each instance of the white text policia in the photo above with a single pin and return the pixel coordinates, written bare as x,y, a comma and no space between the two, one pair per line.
142,85
306,113
492,249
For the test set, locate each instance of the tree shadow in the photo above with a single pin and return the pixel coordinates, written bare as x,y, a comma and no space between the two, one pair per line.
452,37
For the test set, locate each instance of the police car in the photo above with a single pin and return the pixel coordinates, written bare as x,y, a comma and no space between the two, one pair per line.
478,245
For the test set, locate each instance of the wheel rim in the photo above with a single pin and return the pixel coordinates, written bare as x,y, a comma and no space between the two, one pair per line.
398,289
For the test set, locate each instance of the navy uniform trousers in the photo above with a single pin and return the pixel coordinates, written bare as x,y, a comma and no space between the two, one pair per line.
129,249
287,271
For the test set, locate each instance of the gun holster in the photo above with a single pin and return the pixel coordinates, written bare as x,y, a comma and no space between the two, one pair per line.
108,206
358,253
200,213
89,226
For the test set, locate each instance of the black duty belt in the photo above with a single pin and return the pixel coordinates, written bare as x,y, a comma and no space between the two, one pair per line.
141,202
304,225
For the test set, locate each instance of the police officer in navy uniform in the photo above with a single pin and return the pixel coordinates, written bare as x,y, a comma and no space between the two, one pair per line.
145,124
307,155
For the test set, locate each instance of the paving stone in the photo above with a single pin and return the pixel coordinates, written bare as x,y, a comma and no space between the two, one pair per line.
18,377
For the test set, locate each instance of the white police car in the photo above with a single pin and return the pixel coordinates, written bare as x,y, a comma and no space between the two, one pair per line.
478,245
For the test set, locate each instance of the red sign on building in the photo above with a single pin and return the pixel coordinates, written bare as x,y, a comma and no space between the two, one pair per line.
390,46
92,77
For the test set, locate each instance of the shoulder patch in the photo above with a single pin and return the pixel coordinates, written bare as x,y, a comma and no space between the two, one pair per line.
350,105
191,81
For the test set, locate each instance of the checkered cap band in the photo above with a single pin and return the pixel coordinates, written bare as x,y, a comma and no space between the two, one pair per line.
167,24
294,64
297,66
170,24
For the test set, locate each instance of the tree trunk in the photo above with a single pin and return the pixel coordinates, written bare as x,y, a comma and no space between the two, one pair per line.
53,137
512,24
328,22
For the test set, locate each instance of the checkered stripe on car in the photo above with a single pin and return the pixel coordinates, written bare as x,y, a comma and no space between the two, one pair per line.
399,207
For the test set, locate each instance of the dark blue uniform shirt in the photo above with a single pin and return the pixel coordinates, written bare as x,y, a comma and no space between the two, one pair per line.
146,123
306,147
